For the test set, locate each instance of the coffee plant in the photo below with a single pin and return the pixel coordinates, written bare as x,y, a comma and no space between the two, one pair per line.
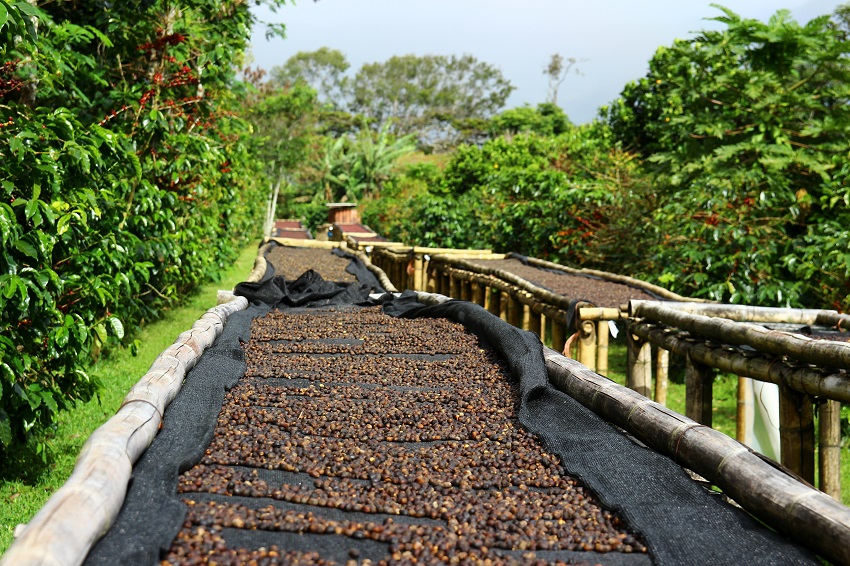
124,182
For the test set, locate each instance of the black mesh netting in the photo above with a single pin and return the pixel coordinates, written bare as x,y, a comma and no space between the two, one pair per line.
267,483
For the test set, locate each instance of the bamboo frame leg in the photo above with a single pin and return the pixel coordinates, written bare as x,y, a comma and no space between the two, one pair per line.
447,284
514,312
587,344
494,306
829,443
662,373
418,273
526,317
699,394
465,290
639,376
431,282
545,332
504,299
454,287
559,334
477,294
535,322
797,433
741,416
602,347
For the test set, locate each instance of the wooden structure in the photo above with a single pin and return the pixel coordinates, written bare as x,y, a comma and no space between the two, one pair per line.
769,492
84,508
810,373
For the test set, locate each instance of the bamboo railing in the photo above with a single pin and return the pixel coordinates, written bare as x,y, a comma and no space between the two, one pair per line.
770,493
811,374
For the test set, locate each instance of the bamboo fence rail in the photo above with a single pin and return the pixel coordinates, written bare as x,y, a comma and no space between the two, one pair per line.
82,510
810,373
773,496
769,492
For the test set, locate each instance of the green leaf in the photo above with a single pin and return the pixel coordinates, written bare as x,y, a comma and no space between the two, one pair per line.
27,249
117,327
5,429
100,331
4,15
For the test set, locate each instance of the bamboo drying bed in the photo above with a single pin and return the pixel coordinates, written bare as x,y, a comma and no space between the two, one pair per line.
56,536
729,338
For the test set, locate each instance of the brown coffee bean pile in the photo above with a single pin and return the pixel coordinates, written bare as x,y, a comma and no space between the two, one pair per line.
413,438
291,263
597,291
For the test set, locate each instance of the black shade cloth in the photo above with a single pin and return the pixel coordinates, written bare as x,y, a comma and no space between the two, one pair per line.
681,522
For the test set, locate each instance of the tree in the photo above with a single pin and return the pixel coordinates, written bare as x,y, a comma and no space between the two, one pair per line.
747,130
557,71
323,70
428,94
545,120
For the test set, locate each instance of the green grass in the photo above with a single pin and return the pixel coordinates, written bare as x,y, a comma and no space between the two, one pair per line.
26,484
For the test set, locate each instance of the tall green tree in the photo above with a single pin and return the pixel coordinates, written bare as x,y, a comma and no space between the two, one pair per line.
427,94
323,70
747,129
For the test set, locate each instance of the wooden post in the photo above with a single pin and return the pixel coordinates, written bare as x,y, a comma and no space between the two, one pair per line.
559,334
744,385
454,287
446,284
514,311
431,281
418,273
639,354
699,380
465,289
494,304
662,371
504,299
477,294
587,344
526,317
535,322
829,444
544,332
602,347
797,433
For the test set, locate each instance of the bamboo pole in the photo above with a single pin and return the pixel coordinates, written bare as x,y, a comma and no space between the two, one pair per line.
797,433
494,305
545,328
803,379
477,293
746,313
465,290
744,408
81,511
418,275
598,313
454,286
535,322
806,515
514,311
587,344
822,353
639,376
662,371
699,380
559,334
829,448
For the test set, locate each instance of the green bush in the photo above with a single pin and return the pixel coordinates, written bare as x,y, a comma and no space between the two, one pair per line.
124,183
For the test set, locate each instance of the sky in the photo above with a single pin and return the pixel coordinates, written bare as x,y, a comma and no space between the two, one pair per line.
614,39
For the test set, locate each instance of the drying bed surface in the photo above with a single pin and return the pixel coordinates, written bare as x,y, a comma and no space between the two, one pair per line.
292,262
597,291
357,436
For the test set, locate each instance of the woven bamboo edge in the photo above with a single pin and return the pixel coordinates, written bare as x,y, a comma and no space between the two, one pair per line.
83,509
